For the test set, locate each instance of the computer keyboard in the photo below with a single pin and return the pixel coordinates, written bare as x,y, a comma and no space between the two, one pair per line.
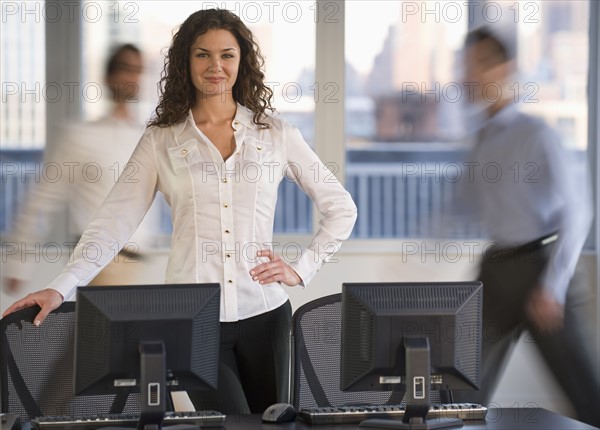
89,422
356,414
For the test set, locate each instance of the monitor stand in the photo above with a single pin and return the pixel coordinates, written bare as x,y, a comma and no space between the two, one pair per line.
153,390
418,384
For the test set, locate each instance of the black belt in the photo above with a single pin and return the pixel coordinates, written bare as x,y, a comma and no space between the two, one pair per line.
534,245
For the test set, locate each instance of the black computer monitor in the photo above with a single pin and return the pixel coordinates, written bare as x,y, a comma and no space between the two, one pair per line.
412,337
148,339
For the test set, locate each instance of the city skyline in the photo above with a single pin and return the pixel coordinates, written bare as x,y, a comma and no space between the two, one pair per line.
553,59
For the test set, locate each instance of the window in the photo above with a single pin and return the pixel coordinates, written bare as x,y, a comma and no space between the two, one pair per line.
402,112
402,118
23,108
553,37
405,128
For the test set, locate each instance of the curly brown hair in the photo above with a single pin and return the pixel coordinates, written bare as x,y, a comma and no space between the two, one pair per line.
177,92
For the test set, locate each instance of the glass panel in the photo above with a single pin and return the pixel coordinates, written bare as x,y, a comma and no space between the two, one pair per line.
554,60
402,112
405,126
23,108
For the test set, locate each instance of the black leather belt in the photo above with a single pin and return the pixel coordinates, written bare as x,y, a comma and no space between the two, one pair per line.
534,245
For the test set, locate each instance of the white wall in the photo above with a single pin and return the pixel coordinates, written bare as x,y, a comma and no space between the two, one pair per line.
526,381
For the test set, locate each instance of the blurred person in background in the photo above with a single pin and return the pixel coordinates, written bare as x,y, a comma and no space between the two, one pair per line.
536,210
87,159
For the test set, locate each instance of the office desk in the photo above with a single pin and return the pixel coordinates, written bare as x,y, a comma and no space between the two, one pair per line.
497,419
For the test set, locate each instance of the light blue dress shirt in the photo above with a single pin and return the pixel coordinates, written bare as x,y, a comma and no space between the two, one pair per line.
523,185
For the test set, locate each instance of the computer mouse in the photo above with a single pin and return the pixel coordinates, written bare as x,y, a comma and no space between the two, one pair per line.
279,413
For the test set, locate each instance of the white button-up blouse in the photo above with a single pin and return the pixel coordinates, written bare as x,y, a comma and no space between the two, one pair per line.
222,211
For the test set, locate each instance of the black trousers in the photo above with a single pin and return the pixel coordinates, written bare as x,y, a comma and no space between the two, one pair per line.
254,364
508,278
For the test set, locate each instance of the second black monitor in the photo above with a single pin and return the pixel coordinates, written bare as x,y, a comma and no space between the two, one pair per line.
380,321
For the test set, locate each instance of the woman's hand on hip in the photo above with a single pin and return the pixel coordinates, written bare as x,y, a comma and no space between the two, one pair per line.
275,270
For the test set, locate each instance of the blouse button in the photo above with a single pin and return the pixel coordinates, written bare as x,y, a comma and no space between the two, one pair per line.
259,148
227,231
184,151
225,205
224,180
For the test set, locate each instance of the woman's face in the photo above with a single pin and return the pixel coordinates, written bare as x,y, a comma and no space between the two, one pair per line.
214,64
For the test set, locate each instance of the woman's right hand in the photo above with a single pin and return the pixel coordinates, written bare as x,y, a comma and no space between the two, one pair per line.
48,299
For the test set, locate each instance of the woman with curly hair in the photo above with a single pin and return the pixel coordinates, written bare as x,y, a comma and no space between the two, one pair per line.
218,157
